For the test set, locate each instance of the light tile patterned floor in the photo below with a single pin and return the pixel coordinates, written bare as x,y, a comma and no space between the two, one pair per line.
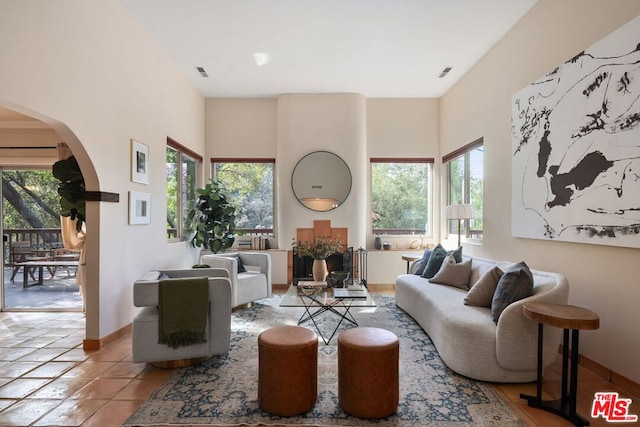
47,379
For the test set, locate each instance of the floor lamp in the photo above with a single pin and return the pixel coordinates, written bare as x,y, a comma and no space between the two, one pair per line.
459,212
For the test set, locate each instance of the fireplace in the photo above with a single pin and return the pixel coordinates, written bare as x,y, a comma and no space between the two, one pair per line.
302,265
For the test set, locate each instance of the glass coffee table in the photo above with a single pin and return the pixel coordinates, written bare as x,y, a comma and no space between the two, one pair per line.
317,299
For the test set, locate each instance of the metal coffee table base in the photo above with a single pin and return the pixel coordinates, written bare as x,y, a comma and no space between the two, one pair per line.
322,308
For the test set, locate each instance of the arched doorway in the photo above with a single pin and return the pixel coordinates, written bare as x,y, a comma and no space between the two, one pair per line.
29,141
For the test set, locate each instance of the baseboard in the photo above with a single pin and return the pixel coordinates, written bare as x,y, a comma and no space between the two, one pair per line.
91,345
607,374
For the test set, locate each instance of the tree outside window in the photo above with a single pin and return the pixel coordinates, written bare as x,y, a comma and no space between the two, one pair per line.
182,166
400,196
465,175
248,185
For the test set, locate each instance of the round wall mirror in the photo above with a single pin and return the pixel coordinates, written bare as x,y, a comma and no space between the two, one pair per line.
321,181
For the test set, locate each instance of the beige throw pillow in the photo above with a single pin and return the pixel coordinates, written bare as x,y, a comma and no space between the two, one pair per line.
481,293
453,274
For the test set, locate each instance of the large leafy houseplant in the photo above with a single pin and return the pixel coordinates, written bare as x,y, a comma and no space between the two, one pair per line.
213,218
71,189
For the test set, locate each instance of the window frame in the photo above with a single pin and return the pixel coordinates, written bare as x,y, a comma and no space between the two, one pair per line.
181,150
265,232
447,159
403,232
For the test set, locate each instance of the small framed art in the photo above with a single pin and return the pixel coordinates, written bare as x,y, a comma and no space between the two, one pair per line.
139,208
139,162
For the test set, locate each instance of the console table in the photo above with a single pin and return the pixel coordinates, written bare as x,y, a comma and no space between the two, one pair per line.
568,317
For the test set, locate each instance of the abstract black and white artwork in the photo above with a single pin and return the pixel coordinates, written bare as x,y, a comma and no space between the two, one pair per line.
576,147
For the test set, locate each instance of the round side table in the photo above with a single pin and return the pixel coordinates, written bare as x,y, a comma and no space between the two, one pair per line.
410,258
570,318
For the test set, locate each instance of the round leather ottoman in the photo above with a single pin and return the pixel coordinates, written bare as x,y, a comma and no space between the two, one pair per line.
287,370
368,378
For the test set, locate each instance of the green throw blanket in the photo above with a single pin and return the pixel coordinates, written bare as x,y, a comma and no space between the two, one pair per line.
183,308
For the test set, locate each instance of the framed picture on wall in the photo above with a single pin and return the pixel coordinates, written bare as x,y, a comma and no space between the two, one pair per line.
139,208
139,162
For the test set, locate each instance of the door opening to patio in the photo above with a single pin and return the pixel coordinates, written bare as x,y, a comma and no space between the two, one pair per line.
38,273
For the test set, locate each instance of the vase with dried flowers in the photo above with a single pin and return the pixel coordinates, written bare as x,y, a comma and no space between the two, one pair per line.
320,248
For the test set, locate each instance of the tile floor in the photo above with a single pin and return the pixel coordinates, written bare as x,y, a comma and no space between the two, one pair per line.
47,379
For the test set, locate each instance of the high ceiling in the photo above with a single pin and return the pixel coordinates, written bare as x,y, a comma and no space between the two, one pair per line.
378,48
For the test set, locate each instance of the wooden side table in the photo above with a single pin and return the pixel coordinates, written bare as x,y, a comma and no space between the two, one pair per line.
568,317
410,258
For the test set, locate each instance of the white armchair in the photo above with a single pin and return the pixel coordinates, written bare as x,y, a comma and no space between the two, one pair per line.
249,272
144,336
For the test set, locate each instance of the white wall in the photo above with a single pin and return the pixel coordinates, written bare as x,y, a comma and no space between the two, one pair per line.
602,278
90,71
349,125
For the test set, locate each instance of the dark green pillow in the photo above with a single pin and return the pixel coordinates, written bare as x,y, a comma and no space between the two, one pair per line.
241,268
457,254
435,262
515,284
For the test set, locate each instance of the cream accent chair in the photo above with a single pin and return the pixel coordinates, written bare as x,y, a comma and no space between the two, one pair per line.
144,336
246,286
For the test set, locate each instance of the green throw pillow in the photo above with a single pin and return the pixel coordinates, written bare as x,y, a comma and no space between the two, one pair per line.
457,254
515,284
435,262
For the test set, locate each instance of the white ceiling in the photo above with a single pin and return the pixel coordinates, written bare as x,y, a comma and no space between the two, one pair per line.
378,48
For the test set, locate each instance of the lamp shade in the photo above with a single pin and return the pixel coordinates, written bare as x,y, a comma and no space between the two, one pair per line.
461,211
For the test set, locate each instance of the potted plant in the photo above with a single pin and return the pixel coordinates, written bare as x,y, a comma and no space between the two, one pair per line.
213,219
320,248
71,189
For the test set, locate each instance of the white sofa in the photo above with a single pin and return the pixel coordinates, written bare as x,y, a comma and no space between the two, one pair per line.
466,337
144,335
246,286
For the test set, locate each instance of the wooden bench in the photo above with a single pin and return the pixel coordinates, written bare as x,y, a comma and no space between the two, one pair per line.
41,265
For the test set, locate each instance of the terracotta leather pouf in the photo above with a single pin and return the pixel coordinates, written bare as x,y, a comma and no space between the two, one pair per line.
287,370
368,372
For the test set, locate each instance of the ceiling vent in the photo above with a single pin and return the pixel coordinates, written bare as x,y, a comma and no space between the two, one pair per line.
445,72
202,72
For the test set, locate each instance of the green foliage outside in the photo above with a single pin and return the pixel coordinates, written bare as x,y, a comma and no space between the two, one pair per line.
30,199
400,196
249,187
457,186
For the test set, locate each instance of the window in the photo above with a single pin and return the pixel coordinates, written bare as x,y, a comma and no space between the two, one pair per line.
182,166
400,196
249,188
465,175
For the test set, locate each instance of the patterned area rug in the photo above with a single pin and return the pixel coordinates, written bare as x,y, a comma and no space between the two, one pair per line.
223,389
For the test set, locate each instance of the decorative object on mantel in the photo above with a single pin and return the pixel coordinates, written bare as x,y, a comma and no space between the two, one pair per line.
319,249
302,266
386,246
377,242
459,212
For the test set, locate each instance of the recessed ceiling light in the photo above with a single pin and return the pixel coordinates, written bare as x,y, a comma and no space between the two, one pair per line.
261,58
445,72
202,72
